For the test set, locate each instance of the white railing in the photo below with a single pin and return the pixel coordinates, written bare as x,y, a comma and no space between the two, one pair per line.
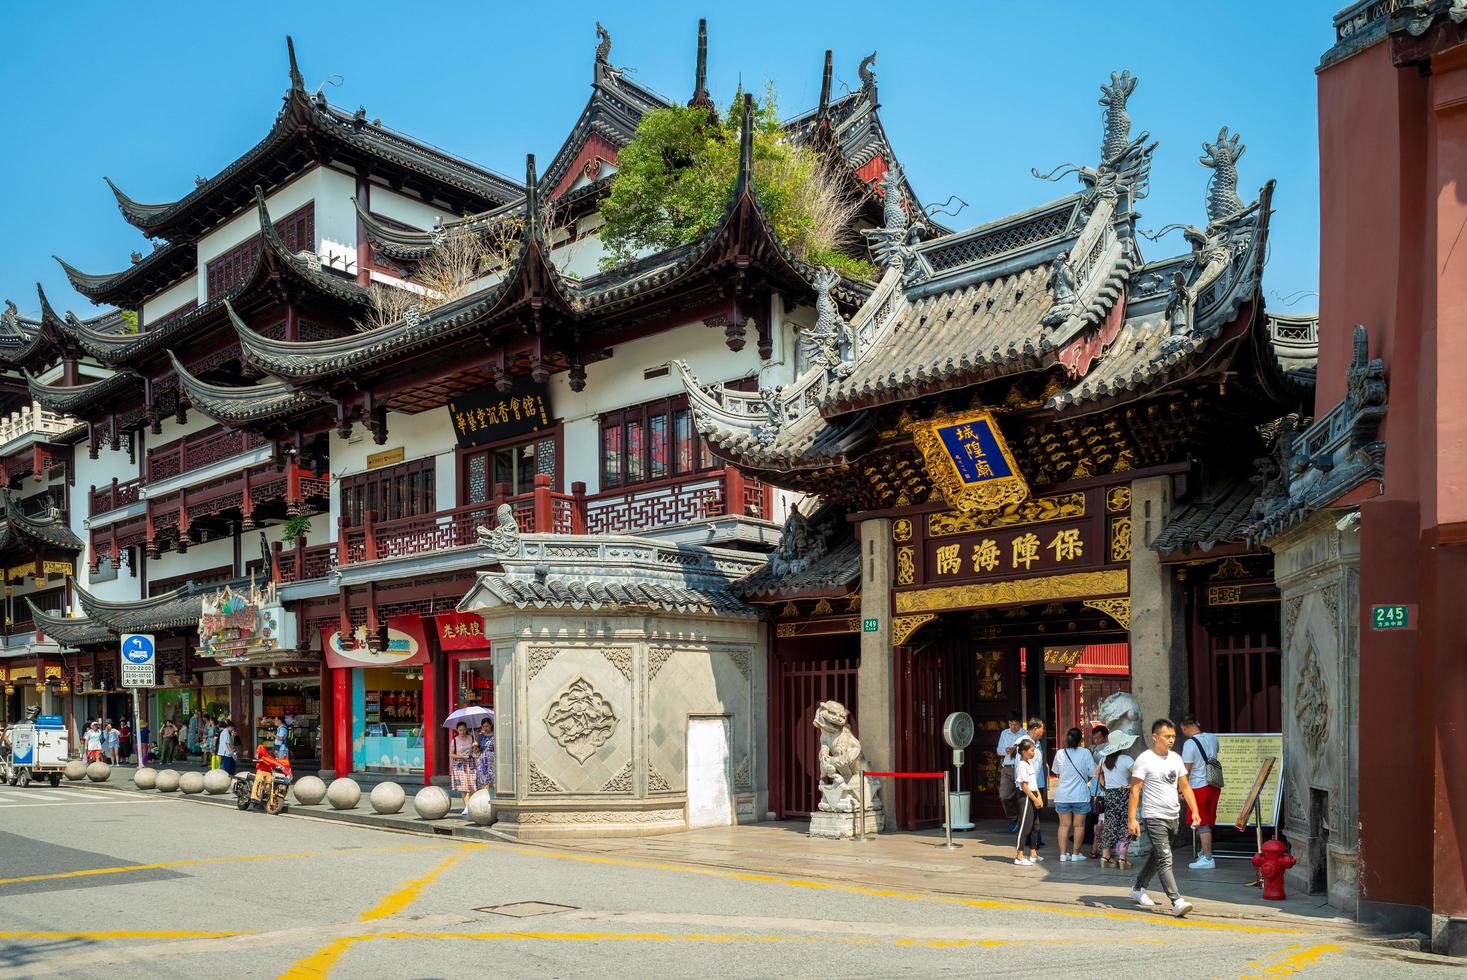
34,420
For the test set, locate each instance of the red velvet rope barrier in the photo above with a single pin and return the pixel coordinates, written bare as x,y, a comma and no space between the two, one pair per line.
907,775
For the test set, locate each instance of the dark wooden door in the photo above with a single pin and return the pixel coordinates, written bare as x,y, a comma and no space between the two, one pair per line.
932,681
805,672
1237,666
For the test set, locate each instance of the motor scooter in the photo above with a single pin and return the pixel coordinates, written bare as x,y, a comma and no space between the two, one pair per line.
266,786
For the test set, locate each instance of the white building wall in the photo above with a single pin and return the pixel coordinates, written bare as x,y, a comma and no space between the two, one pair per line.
170,299
408,210
424,434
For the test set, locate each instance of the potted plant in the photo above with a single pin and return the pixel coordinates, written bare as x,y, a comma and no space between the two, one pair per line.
295,528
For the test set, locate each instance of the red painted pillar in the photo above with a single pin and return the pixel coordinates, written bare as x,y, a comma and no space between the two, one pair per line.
341,717
430,721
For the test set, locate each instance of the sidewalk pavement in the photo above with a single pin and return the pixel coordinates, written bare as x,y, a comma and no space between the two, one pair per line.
981,867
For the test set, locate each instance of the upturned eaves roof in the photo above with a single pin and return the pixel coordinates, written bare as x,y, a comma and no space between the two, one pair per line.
308,122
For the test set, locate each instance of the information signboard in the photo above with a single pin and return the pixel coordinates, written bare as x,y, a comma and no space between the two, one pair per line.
1242,758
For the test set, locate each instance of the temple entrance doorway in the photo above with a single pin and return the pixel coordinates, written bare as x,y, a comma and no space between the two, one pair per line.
1055,661
805,670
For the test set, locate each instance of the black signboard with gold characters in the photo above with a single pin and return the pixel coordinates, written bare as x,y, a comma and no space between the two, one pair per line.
969,462
489,415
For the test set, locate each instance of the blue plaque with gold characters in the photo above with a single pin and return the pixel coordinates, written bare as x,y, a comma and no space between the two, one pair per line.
968,461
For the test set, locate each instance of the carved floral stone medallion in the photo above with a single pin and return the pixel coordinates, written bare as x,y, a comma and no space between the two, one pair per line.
580,719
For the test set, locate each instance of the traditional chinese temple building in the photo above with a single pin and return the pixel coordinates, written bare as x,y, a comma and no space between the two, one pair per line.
1034,444
554,491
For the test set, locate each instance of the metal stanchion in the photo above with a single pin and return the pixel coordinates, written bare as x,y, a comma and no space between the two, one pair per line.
947,812
861,816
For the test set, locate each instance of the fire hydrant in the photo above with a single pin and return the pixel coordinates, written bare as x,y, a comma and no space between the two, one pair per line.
1271,865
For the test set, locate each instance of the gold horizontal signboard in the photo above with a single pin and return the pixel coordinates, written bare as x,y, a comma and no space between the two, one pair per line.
969,463
388,457
1044,588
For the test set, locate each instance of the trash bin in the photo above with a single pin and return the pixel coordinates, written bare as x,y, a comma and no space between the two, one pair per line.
959,804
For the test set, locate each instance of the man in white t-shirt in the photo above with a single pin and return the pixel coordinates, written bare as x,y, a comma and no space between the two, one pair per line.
1199,748
1008,792
1155,780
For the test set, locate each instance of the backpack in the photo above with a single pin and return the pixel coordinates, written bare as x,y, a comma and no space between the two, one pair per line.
1211,768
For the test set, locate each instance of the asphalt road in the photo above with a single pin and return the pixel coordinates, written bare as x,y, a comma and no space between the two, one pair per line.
121,885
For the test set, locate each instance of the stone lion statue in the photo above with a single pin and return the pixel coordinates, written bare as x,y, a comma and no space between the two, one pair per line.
840,761
1120,713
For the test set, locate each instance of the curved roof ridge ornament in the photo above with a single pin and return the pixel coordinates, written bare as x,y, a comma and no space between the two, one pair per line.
745,181
605,71
297,82
701,99
868,77
136,213
1222,191
1125,163
823,114
830,343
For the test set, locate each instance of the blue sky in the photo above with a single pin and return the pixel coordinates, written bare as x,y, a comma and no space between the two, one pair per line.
973,95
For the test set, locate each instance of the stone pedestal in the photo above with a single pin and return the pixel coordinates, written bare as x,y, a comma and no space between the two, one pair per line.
842,826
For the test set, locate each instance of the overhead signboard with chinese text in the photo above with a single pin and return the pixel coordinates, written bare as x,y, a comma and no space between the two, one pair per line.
488,415
969,462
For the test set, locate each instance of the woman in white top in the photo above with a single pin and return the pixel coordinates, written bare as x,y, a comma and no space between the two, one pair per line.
1114,772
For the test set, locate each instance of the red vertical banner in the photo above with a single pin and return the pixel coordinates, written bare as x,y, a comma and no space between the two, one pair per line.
341,717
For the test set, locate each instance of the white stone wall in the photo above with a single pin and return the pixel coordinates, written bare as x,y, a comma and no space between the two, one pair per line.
643,677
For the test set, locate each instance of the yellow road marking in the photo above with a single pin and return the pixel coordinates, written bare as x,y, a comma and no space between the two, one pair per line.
1289,961
410,890
126,934
323,961
192,862
989,904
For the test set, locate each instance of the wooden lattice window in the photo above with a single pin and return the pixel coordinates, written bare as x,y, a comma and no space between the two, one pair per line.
405,490
650,442
297,230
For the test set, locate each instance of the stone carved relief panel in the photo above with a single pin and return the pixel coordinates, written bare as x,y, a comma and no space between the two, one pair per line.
621,782
581,719
541,783
1312,701
621,659
540,658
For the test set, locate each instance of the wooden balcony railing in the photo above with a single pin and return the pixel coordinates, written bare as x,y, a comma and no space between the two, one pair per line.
198,450
631,511
103,499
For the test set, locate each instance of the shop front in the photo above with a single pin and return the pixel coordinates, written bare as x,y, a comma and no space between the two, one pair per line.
257,672
466,648
381,707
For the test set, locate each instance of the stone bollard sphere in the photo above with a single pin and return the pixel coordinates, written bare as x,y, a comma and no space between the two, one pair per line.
145,778
344,794
76,770
216,781
387,798
168,781
309,790
431,802
99,772
481,808
191,783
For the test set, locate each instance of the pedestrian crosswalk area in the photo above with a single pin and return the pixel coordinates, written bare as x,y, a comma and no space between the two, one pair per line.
44,794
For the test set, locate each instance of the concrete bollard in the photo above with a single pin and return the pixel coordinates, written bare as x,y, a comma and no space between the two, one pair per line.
387,798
